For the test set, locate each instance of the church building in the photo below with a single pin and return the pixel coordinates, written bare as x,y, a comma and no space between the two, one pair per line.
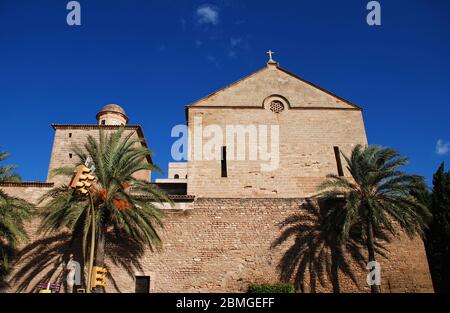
232,201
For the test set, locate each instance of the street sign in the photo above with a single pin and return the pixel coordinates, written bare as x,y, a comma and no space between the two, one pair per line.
89,164
48,287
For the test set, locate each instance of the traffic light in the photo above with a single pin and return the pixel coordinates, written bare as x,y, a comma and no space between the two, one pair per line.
99,276
82,180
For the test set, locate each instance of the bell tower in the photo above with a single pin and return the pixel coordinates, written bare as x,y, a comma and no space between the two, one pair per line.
112,114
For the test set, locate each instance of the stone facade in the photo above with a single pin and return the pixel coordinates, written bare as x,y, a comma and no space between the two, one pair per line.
68,136
222,245
30,191
221,235
176,173
312,123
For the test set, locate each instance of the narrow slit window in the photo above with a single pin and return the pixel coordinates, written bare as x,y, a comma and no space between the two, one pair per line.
70,135
337,154
223,162
70,155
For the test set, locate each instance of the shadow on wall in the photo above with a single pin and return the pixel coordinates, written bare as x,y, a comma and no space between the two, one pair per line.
45,260
315,256
5,252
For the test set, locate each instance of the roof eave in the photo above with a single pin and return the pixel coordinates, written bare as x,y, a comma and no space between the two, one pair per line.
284,71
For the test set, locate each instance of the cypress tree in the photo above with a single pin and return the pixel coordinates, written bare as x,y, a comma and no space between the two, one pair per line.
438,235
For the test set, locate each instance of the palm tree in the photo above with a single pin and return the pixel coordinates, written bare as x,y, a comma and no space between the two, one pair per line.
376,198
13,213
124,205
6,172
316,249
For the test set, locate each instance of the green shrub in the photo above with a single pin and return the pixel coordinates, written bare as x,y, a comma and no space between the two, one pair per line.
271,288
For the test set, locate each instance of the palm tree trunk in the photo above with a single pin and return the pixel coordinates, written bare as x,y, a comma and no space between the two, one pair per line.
100,248
100,253
371,250
335,271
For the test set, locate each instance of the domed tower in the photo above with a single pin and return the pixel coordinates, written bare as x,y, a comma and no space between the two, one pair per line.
112,114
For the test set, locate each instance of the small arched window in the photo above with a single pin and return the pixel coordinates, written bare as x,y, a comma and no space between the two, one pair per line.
176,176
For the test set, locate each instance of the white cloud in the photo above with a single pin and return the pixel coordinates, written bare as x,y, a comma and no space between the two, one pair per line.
207,14
213,60
235,41
442,148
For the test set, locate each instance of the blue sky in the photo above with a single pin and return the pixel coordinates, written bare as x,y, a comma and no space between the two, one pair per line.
155,57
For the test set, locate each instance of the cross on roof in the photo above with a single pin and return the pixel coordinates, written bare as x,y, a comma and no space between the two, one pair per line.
270,53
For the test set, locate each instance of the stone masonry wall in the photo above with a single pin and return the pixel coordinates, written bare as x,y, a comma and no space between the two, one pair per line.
31,192
306,152
64,140
219,245
223,245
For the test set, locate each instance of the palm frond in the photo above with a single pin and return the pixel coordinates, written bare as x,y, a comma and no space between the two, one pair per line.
378,194
123,204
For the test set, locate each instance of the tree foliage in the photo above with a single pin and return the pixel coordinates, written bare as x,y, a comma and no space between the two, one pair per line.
271,288
125,206
13,214
316,254
377,198
7,173
438,235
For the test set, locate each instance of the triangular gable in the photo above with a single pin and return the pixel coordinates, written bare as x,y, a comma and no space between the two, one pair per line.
251,91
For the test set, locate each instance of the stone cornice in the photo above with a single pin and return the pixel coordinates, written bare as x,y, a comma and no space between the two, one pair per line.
99,114
94,126
27,184
174,197
182,197
261,107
